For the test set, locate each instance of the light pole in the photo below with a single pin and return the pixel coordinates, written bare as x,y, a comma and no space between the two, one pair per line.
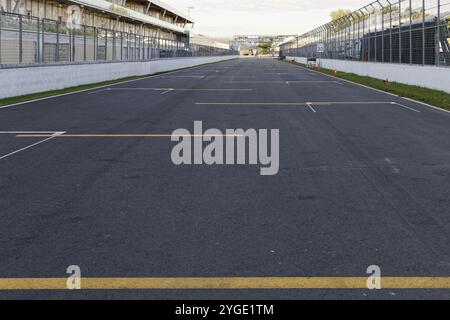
189,10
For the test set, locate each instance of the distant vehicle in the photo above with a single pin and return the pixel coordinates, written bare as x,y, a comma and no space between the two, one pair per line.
311,63
249,52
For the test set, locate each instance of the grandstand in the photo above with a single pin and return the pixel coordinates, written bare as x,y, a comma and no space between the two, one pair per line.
43,31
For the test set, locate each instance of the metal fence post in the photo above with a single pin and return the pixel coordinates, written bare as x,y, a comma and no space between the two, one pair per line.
363,36
345,38
390,32
106,44
438,44
95,43
73,45
121,45
382,32
38,42
353,37
135,47
359,37
400,31
57,42
410,33
423,32
375,35
84,44
369,46
43,41
340,41
20,40
128,47
114,48
151,46
70,45
1,15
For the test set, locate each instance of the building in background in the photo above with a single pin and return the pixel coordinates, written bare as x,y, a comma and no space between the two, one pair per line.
202,40
40,31
135,16
257,44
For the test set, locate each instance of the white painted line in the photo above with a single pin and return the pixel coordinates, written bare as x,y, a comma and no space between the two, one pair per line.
356,103
241,77
55,134
378,90
283,81
209,71
94,92
290,103
358,84
252,103
199,77
167,91
426,104
406,107
175,89
32,132
310,106
139,89
352,102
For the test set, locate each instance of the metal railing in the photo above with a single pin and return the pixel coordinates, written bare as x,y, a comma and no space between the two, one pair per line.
26,40
401,31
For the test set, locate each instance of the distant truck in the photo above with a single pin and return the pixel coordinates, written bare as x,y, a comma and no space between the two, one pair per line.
312,63
249,52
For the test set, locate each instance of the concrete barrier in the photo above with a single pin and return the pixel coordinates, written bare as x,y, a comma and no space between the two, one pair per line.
27,80
424,76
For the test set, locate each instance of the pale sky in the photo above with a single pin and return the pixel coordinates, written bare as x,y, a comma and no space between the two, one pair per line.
225,18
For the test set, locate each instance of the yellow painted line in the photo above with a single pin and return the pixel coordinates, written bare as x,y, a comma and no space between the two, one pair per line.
224,283
123,135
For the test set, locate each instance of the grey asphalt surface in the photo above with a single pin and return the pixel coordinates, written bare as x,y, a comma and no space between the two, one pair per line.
359,184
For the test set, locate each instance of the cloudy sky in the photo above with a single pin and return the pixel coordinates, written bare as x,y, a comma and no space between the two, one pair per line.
224,18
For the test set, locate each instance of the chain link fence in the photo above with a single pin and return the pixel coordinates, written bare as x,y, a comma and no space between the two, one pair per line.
26,40
402,31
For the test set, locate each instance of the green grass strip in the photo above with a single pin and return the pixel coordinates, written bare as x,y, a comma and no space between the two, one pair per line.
436,98
34,96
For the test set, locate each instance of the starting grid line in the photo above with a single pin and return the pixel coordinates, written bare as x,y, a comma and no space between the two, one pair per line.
306,104
269,283
48,135
284,81
130,136
167,90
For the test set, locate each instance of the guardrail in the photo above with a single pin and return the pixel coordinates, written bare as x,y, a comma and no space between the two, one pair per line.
402,31
27,40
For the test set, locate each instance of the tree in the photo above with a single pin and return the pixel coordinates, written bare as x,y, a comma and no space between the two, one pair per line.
339,13
265,48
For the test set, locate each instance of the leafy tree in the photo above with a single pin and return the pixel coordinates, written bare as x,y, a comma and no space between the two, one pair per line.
265,48
339,13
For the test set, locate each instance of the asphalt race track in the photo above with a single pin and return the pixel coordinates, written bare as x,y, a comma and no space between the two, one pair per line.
364,180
